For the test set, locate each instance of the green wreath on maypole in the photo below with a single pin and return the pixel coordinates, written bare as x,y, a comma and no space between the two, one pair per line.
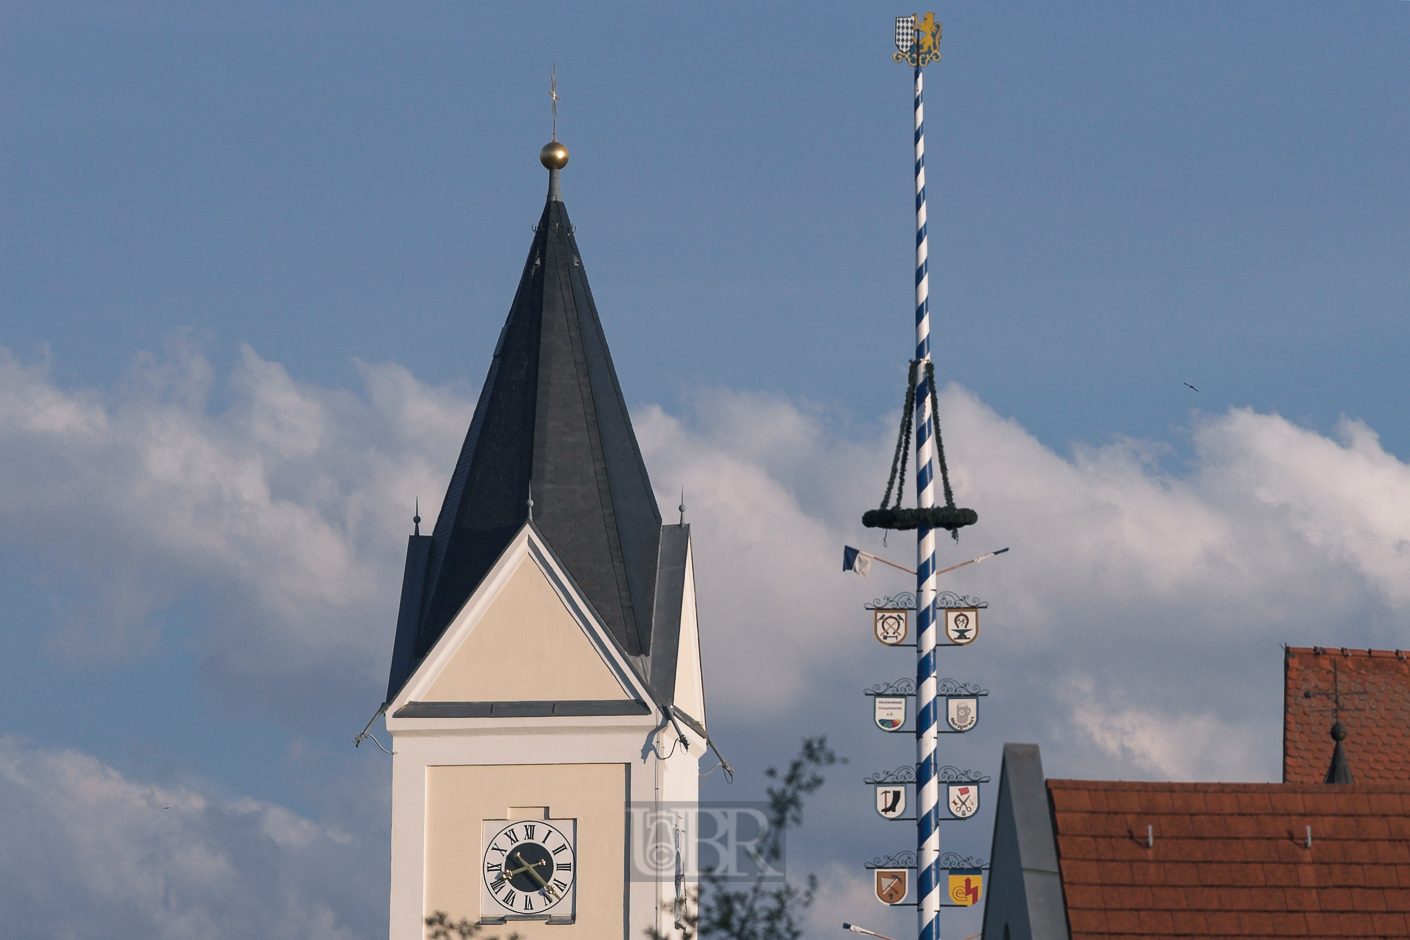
948,516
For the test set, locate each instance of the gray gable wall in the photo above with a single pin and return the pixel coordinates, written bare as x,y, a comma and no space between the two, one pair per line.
666,624
413,584
1024,900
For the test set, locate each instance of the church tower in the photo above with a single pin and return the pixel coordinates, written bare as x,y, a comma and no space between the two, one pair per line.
545,699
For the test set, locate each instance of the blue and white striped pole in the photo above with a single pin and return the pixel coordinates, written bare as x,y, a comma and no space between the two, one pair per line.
927,789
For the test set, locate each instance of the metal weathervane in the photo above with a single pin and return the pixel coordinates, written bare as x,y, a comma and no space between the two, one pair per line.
941,706
553,96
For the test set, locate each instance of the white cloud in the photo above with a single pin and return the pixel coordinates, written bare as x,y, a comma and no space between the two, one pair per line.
1132,631
1134,625
86,852
289,507
1346,498
1161,746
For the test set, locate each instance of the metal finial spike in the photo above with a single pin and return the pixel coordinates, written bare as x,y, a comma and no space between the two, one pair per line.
554,156
416,519
553,94
531,500
681,507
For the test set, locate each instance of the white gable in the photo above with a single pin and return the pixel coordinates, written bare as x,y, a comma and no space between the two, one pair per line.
525,647
524,635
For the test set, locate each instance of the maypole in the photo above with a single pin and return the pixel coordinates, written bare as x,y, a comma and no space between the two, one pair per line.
917,42
927,788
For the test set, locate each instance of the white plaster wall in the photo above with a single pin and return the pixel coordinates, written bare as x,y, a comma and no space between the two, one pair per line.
526,646
460,798
420,744
423,743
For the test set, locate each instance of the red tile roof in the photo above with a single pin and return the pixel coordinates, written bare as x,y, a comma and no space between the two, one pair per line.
1375,686
1231,859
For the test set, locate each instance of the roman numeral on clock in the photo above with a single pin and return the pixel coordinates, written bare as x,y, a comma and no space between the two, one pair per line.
528,902
560,848
529,832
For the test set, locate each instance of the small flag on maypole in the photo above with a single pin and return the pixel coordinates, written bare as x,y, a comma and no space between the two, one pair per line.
854,559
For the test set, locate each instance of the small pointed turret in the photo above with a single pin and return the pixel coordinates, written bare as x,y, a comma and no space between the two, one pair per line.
1339,771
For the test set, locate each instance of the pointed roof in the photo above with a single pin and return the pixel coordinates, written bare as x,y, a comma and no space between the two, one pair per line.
1338,772
1024,898
550,418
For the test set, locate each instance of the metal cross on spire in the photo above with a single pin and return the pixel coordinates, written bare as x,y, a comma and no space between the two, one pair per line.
553,94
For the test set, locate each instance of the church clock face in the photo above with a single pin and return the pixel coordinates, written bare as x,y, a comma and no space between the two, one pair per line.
529,869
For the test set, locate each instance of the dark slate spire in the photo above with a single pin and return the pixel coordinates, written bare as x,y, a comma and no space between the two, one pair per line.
1339,771
550,416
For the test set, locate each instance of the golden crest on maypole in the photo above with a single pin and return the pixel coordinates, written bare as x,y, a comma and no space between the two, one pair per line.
917,40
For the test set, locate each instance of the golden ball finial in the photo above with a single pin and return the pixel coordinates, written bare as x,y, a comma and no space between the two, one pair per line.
554,156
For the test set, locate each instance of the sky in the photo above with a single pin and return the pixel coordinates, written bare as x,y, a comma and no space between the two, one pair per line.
254,258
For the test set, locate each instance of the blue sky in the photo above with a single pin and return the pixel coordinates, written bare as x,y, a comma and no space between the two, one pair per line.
254,258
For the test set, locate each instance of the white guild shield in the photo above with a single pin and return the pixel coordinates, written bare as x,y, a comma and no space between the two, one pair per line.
964,799
890,713
891,626
891,801
962,713
962,625
905,33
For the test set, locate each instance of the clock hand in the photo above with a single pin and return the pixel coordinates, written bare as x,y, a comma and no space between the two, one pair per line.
517,871
547,888
530,868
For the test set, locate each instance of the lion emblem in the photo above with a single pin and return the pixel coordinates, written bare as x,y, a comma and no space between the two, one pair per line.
918,39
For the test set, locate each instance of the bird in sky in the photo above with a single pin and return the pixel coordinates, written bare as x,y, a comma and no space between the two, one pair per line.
1188,385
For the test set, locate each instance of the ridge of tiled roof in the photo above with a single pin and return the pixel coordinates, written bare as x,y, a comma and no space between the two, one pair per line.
1158,860
1221,786
1375,685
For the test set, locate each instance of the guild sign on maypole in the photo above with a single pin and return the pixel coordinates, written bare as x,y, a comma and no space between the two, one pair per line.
918,45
